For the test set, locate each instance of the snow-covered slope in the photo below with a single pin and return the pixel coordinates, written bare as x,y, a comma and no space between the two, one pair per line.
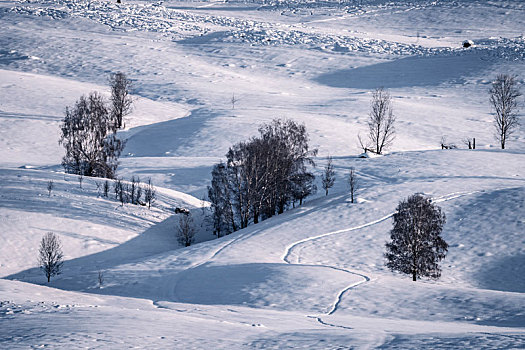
313,277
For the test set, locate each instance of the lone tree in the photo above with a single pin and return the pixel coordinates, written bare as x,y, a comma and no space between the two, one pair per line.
89,137
328,177
381,131
416,246
50,256
353,183
186,230
120,100
504,95
50,187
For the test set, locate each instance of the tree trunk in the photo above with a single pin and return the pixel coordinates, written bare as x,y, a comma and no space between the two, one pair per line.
414,276
281,208
48,278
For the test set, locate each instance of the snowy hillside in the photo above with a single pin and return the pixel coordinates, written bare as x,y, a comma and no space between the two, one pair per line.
313,277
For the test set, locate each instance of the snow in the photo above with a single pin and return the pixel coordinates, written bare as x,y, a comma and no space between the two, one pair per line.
313,277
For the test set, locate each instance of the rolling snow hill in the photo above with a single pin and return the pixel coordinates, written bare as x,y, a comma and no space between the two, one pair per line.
313,277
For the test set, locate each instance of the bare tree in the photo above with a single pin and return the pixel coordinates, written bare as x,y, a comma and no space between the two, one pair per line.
186,230
121,101
504,95
381,131
365,146
150,194
117,188
328,177
80,179
50,187
105,188
416,245
99,187
233,101
469,142
50,256
134,190
353,183
100,278
120,189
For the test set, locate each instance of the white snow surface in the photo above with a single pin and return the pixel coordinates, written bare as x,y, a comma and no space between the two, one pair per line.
313,277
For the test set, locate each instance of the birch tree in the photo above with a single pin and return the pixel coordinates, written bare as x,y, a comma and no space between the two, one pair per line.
504,95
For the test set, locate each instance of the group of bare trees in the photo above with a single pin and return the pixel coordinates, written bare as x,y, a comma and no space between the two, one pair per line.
134,191
89,130
262,176
503,97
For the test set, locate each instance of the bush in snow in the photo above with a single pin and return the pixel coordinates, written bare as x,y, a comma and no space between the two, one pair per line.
504,95
445,145
416,245
50,256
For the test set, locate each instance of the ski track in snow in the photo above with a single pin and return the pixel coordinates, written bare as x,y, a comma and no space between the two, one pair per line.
365,278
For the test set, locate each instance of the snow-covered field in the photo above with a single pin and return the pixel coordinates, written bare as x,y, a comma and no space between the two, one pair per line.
313,277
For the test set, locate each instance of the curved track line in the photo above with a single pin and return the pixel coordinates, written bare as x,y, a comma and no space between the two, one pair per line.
339,297
289,248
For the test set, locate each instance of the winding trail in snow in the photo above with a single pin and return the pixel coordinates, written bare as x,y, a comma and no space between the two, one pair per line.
288,253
